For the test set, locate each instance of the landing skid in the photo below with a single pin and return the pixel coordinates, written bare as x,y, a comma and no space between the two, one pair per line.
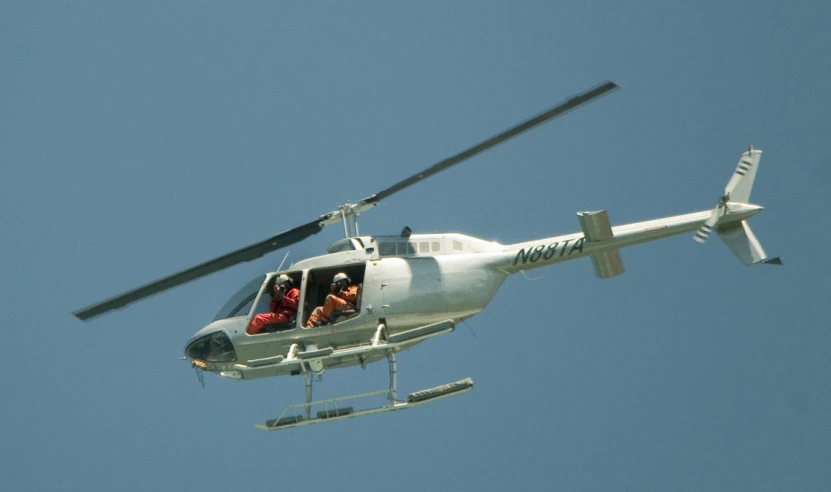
334,409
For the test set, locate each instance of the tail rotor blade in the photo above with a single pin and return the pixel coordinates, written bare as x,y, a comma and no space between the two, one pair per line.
248,253
706,228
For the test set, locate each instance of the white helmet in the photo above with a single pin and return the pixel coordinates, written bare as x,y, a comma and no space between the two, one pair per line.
341,276
282,279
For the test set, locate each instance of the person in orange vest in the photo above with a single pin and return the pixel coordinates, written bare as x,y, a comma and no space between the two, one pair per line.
343,296
282,308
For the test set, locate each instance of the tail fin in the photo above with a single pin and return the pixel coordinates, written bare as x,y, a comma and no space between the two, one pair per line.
743,243
737,190
741,183
737,235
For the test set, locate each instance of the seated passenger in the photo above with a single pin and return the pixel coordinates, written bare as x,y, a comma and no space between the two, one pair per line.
283,307
343,296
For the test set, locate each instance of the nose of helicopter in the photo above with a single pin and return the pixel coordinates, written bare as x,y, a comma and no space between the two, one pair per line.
212,347
213,343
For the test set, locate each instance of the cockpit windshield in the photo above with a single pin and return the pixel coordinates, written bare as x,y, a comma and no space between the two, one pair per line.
215,347
241,302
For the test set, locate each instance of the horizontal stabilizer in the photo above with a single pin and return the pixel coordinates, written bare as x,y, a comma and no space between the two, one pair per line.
607,264
743,243
596,228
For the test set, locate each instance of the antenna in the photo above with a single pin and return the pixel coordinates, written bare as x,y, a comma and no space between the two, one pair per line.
284,260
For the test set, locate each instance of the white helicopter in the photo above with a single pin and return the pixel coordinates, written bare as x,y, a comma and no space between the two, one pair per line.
412,287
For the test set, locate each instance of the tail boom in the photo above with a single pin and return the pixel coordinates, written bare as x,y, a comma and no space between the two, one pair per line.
601,242
548,251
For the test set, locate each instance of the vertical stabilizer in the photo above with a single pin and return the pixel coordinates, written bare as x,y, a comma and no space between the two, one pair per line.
743,243
741,183
596,228
737,191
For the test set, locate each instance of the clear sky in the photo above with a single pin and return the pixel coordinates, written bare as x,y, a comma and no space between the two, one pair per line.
139,139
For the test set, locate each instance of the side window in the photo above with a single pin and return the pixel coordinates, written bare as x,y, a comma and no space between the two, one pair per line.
424,247
406,249
436,246
400,248
386,249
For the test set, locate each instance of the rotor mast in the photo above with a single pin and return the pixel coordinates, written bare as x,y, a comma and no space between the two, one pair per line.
349,214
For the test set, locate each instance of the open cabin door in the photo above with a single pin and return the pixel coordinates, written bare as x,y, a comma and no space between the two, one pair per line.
262,302
318,287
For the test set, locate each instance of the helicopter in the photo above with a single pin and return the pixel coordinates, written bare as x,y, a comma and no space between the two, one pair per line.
412,287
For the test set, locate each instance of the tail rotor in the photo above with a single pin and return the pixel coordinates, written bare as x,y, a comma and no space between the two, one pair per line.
707,227
733,209
737,190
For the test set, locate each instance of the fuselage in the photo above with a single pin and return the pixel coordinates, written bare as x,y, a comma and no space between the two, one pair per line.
405,283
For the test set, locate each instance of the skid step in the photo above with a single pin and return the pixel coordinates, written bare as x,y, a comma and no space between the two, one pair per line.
424,331
333,411
314,354
294,419
265,362
443,390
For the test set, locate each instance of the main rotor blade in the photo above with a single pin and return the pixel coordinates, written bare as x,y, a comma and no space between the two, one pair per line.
558,110
302,232
247,253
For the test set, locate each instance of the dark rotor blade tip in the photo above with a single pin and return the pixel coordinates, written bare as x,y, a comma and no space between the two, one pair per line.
564,107
248,253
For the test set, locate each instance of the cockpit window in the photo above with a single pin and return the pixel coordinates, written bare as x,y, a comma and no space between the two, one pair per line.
240,303
215,347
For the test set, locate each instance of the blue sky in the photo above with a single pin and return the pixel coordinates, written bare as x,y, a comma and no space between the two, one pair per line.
140,139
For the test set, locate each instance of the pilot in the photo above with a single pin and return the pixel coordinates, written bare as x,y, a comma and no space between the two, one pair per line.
282,308
343,296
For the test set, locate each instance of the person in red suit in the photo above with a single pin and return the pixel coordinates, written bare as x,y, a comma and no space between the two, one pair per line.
343,296
282,308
